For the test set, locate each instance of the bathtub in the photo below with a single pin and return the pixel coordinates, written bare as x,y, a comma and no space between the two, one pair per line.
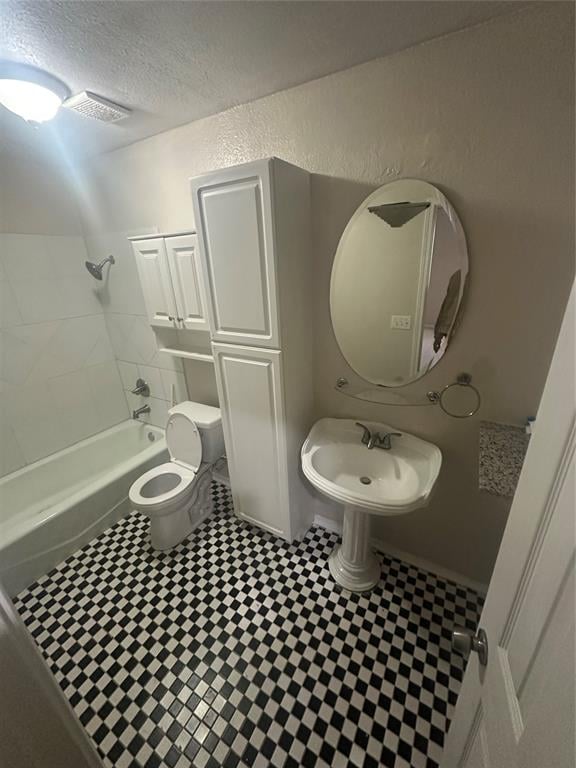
53,507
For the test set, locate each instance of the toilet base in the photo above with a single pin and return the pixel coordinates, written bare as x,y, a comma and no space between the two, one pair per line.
170,529
167,531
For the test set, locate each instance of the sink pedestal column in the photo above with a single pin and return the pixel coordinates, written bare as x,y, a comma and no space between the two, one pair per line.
352,564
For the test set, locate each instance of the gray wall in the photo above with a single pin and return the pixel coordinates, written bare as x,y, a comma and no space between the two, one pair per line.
487,115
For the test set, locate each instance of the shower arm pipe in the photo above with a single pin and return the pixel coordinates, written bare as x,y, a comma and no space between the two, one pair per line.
108,260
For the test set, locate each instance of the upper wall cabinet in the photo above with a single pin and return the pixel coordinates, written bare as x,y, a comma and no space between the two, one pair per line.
233,210
187,281
172,282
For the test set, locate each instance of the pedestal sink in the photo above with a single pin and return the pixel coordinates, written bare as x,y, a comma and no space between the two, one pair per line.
367,481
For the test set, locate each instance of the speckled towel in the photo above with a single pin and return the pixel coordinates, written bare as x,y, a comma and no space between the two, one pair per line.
501,455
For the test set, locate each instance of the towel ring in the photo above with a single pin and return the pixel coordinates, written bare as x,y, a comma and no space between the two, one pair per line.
462,380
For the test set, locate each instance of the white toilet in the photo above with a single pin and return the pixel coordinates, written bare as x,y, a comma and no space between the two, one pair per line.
176,495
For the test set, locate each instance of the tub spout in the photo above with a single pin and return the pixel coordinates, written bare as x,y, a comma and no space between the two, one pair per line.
140,411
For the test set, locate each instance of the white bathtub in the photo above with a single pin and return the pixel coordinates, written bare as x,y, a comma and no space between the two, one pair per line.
53,507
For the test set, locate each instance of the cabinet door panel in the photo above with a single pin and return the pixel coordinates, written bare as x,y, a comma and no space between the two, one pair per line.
250,391
152,263
234,219
186,271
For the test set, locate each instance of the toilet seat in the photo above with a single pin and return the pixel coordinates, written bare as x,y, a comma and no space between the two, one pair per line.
172,495
183,437
153,491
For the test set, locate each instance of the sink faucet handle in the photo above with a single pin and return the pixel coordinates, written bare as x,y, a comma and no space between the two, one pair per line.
367,434
385,440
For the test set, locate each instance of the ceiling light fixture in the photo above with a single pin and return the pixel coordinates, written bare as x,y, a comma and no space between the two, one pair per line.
30,93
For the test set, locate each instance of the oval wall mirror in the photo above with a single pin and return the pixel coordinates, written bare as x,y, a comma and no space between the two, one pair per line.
397,282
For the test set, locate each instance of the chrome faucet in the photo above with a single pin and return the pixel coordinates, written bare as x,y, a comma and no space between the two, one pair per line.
140,411
377,440
385,441
141,388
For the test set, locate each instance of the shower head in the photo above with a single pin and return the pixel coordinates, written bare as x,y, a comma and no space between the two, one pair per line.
96,269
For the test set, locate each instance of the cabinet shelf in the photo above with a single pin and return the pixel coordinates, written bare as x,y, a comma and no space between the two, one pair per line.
202,356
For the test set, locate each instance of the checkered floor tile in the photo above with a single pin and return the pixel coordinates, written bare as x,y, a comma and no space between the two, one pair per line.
237,649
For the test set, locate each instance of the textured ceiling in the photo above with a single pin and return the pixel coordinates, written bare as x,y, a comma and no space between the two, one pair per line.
174,62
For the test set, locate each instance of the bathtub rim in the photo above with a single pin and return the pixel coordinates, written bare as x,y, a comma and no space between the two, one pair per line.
112,475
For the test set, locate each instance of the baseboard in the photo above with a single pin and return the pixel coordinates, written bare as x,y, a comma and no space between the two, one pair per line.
419,562
328,524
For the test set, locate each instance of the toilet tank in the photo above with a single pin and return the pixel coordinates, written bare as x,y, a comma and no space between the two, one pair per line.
209,422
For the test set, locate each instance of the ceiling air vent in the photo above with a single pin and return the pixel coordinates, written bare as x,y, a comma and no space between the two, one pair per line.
89,104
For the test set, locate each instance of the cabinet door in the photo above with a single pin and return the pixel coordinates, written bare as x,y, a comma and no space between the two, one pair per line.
152,263
233,212
186,271
250,392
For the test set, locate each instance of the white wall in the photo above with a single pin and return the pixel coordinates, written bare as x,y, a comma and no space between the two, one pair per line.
58,378
486,114
36,195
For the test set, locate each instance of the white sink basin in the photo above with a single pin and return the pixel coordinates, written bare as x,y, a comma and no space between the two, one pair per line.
367,481
383,482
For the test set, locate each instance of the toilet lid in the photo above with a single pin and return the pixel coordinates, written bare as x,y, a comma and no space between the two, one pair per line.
183,440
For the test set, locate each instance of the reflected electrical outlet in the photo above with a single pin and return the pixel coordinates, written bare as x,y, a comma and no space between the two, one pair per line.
401,322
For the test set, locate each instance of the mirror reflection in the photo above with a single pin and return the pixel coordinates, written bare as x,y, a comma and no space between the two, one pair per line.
397,282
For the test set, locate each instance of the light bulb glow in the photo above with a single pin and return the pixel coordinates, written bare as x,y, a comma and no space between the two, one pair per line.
31,101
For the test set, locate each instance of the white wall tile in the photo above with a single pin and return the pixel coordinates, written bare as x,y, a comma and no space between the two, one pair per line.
70,347
59,382
39,301
128,374
107,394
9,312
102,349
158,415
11,456
25,257
78,297
152,377
20,349
122,294
73,401
174,384
132,338
166,362
34,420
67,255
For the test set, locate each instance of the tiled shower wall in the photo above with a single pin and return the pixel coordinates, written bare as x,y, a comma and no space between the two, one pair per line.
133,340
59,381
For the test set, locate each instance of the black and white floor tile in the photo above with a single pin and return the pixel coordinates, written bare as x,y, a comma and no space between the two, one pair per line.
237,649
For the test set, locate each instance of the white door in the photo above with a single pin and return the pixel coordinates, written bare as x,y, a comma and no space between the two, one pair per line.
38,728
250,392
152,263
187,281
233,213
518,711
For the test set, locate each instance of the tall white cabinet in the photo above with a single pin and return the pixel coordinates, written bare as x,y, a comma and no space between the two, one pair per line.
253,228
